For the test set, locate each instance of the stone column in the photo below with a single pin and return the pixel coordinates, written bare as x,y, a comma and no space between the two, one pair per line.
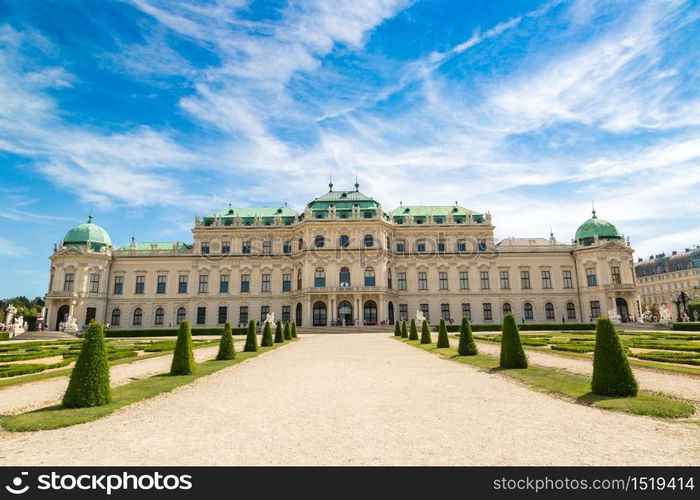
380,310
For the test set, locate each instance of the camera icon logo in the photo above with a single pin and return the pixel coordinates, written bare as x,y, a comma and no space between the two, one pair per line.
16,488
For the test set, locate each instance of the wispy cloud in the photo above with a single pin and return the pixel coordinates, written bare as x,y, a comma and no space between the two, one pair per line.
9,248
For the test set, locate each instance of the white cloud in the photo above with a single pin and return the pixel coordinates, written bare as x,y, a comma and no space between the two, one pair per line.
9,248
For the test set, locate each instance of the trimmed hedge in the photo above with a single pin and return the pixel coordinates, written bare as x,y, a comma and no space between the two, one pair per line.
4,335
425,337
27,368
443,340
267,340
251,340
226,347
404,330
414,333
290,332
530,327
170,332
688,327
279,336
397,329
512,353
89,380
183,357
466,347
612,375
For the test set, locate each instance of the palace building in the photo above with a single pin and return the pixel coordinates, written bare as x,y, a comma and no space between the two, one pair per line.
342,260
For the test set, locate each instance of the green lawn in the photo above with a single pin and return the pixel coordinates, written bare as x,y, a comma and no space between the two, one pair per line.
576,388
54,417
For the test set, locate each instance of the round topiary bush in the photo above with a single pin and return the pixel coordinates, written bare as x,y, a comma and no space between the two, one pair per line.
294,331
512,353
397,329
443,339
612,375
226,348
404,330
279,336
425,337
267,335
414,333
89,381
183,357
467,347
251,339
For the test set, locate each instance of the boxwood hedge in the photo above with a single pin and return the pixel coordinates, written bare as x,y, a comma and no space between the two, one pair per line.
170,332
528,327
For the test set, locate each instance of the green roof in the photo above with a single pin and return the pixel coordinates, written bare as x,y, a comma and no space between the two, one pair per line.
81,234
284,211
423,210
593,227
160,245
343,200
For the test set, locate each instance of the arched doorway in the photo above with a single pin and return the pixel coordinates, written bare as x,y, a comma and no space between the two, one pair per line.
622,308
320,314
391,313
370,316
297,315
61,315
345,312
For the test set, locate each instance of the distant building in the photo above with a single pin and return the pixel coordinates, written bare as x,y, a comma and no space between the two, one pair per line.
663,277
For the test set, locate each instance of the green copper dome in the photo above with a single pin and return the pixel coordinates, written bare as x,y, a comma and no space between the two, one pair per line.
80,235
593,227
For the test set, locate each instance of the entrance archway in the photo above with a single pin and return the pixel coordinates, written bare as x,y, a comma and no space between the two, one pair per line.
622,308
391,313
345,312
370,310
298,314
61,315
320,314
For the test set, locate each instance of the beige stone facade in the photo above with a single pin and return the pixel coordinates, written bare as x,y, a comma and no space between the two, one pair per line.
663,277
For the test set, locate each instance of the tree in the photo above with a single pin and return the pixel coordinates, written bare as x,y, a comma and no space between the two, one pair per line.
612,375
404,331
279,336
89,381
466,347
512,353
183,357
251,339
294,330
414,333
425,337
226,347
397,329
443,339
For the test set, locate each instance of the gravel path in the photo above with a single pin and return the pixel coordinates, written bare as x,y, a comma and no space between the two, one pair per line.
357,399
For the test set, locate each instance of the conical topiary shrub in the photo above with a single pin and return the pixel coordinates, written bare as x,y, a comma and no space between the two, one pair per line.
612,375
404,330
414,333
466,347
397,329
290,331
443,339
425,337
251,339
512,353
89,381
294,331
226,349
267,335
279,336
183,357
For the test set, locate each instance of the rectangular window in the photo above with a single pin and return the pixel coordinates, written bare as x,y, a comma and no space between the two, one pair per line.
161,283
223,283
286,282
182,284
425,309
203,283
245,282
616,278
422,281
205,247
445,311
223,315
525,280
267,247
591,276
94,283
264,311
467,310
140,284
400,246
482,245
226,247
243,315
568,282
443,280
504,279
546,279
246,247
488,315
286,313
595,309
344,241
266,282
461,246
118,285
287,247
485,285
441,246
403,312
402,281
420,245
201,315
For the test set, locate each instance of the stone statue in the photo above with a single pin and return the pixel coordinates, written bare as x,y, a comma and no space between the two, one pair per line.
71,325
17,326
11,311
419,317
270,318
665,312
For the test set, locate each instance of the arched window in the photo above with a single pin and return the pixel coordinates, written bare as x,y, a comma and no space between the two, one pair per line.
370,313
181,315
138,316
160,316
319,241
116,316
388,279
319,314
570,310
344,276
320,277
299,279
549,310
344,241
369,240
527,309
507,309
369,277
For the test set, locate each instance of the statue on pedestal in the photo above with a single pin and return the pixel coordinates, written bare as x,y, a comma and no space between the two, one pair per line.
419,317
71,326
270,318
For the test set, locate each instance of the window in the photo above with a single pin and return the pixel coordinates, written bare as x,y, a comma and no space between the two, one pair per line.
223,315
182,284
205,247
402,281
159,317
616,278
264,311
425,309
243,315
287,247
344,241
140,284
507,309
94,283
568,283
344,277
369,277
570,310
245,282
299,280
286,282
504,279
549,310
201,315
445,311
482,245
369,240
546,279
403,312
320,277
461,246
203,283
319,241
286,313
525,280
591,277
223,283
441,246
180,315
116,317
226,247
389,283
527,311
485,280
68,282
595,309
467,310
400,246
463,280
422,281
161,282
420,246
246,247
118,285
267,247
138,316
442,276
488,314
301,244
266,285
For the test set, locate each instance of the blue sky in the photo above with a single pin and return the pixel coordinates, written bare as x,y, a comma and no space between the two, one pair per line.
147,112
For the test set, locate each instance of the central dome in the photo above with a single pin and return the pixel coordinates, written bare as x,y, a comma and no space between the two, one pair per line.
88,232
604,230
